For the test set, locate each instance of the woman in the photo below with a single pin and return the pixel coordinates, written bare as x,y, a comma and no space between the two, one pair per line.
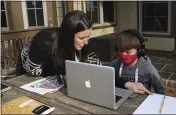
45,55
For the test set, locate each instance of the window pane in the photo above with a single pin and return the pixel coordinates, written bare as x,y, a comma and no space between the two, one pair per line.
95,4
40,19
95,15
91,4
89,14
64,7
3,19
108,11
31,17
148,24
39,4
30,4
148,9
92,11
2,5
161,24
155,17
161,9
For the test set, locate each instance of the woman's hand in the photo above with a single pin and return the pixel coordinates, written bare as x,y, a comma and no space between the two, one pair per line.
137,88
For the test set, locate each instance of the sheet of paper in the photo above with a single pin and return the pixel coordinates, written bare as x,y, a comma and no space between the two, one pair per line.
44,85
169,106
152,105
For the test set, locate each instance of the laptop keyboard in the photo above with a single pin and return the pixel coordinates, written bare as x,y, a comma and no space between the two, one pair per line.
117,98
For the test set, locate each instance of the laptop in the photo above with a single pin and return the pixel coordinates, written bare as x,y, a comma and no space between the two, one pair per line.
94,84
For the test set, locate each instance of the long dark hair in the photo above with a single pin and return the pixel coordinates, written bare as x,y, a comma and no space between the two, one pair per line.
63,47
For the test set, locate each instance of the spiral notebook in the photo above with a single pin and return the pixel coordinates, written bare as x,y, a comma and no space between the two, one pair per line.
26,105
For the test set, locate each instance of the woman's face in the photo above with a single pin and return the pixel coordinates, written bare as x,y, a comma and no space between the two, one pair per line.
82,38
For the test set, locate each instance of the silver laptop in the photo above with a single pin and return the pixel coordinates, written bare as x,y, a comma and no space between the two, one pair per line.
94,84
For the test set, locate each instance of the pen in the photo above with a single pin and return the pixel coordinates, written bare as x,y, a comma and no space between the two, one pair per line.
162,104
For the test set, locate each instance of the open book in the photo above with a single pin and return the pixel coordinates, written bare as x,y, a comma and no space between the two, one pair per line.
154,104
26,105
42,86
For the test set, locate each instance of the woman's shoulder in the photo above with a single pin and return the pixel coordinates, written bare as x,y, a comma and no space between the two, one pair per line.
43,40
39,49
92,58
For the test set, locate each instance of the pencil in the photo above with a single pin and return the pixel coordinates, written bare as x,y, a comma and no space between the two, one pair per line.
162,104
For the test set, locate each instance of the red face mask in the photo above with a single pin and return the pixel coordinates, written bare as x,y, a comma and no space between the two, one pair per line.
128,59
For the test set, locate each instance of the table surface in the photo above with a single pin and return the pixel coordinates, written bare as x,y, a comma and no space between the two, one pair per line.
62,103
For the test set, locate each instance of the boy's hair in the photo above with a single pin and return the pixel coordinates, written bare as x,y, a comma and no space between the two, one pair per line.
126,41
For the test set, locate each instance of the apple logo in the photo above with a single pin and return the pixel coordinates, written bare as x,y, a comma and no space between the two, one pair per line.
87,83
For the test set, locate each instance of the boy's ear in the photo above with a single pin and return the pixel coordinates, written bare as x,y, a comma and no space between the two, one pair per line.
141,51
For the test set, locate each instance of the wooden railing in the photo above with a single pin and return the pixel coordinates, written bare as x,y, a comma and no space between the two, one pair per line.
11,45
10,51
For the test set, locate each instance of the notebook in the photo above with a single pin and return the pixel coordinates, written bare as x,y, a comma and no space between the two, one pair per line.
26,105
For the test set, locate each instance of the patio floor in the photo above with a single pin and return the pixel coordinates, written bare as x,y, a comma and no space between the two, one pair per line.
165,63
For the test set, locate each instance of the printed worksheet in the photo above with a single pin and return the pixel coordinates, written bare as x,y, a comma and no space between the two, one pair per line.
45,85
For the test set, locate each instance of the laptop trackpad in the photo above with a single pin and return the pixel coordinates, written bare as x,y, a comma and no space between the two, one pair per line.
123,92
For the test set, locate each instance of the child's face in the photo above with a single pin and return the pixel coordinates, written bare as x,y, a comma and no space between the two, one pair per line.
128,52
128,57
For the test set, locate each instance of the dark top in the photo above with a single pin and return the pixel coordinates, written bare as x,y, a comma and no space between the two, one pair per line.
36,55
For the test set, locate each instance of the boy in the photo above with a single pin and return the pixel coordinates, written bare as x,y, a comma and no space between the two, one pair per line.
133,69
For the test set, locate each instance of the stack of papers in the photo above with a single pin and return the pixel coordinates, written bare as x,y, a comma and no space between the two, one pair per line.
45,85
153,103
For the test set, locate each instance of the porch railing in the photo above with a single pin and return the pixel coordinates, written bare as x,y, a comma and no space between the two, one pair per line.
11,45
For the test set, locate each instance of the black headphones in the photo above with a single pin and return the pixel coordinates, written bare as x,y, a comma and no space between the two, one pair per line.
142,49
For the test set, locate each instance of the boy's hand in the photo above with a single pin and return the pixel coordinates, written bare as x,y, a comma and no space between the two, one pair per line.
137,88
